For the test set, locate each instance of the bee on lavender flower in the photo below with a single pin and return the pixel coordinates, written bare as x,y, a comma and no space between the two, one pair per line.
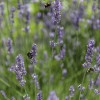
32,54
90,70
29,54
47,5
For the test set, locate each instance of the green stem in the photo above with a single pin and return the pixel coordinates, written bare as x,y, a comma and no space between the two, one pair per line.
82,83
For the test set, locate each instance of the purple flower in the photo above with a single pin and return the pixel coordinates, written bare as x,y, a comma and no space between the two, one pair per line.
91,84
39,95
13,98
64,72
61,55
19,5
97,81
60,35
89,54
56,16
9,45
97,91
12,10
27,17
3,93
67,98
98,60
52,96
51,34
35,77
19,69
94,7
2,8
52,44
72,91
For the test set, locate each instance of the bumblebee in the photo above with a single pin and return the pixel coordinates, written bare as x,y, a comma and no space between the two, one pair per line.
30,55
90,70
47,5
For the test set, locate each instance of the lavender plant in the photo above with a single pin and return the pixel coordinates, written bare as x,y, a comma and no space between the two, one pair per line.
19,69
64,60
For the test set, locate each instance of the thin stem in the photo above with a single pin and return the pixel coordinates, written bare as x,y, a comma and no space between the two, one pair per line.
82,83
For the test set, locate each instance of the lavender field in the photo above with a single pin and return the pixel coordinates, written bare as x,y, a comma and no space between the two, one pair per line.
49,49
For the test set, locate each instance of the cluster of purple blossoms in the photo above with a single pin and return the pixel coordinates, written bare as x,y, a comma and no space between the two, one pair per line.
97,65
91,84
72,91
89,54
56,16
12,10
35,78
96,68
2,8
9,45
97,81
19,69
1,13
95,18
98,60
27,16
53,44
52,96
60,35
3,94
97,91
24,15
39,95
13,98
19,5
94,22
77,14
61,55
67,98
27,19
64,72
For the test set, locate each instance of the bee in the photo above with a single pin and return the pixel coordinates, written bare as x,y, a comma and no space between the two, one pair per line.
30,55
90,70
47,5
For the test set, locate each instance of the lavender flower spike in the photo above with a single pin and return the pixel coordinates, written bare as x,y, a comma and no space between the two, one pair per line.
39,96
89,54
19,69
56,16
35,77
52,96
9,45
